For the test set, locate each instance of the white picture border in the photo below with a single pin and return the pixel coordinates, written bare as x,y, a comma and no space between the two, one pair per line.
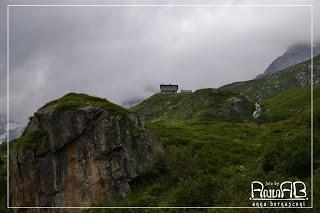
153,5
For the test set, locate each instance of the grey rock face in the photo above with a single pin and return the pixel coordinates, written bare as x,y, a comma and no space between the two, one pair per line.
294,55
238,106
88,156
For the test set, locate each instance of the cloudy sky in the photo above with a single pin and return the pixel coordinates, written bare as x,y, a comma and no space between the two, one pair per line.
121,53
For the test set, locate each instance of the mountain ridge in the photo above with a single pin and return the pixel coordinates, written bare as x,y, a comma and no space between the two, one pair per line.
271,85
295,54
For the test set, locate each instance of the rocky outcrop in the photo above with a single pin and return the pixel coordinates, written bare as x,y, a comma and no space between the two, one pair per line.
79,156
238,106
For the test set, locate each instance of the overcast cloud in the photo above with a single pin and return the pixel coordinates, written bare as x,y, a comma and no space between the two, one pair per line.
121,53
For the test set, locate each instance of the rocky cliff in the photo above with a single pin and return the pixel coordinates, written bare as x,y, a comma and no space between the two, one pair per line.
79,151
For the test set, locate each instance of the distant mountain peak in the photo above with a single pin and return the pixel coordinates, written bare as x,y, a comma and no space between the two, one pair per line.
15,129
295,54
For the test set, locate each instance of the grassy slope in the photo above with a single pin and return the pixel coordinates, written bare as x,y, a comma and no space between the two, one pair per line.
272,85
213,163
287,104
204,105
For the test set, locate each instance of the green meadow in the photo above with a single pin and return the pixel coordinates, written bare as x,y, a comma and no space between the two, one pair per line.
212,163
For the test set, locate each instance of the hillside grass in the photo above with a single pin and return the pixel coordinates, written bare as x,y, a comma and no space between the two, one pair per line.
212,163
208,163
203,104
277,83
293,102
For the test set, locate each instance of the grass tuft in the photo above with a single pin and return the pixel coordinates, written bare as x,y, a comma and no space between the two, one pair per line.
78,100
